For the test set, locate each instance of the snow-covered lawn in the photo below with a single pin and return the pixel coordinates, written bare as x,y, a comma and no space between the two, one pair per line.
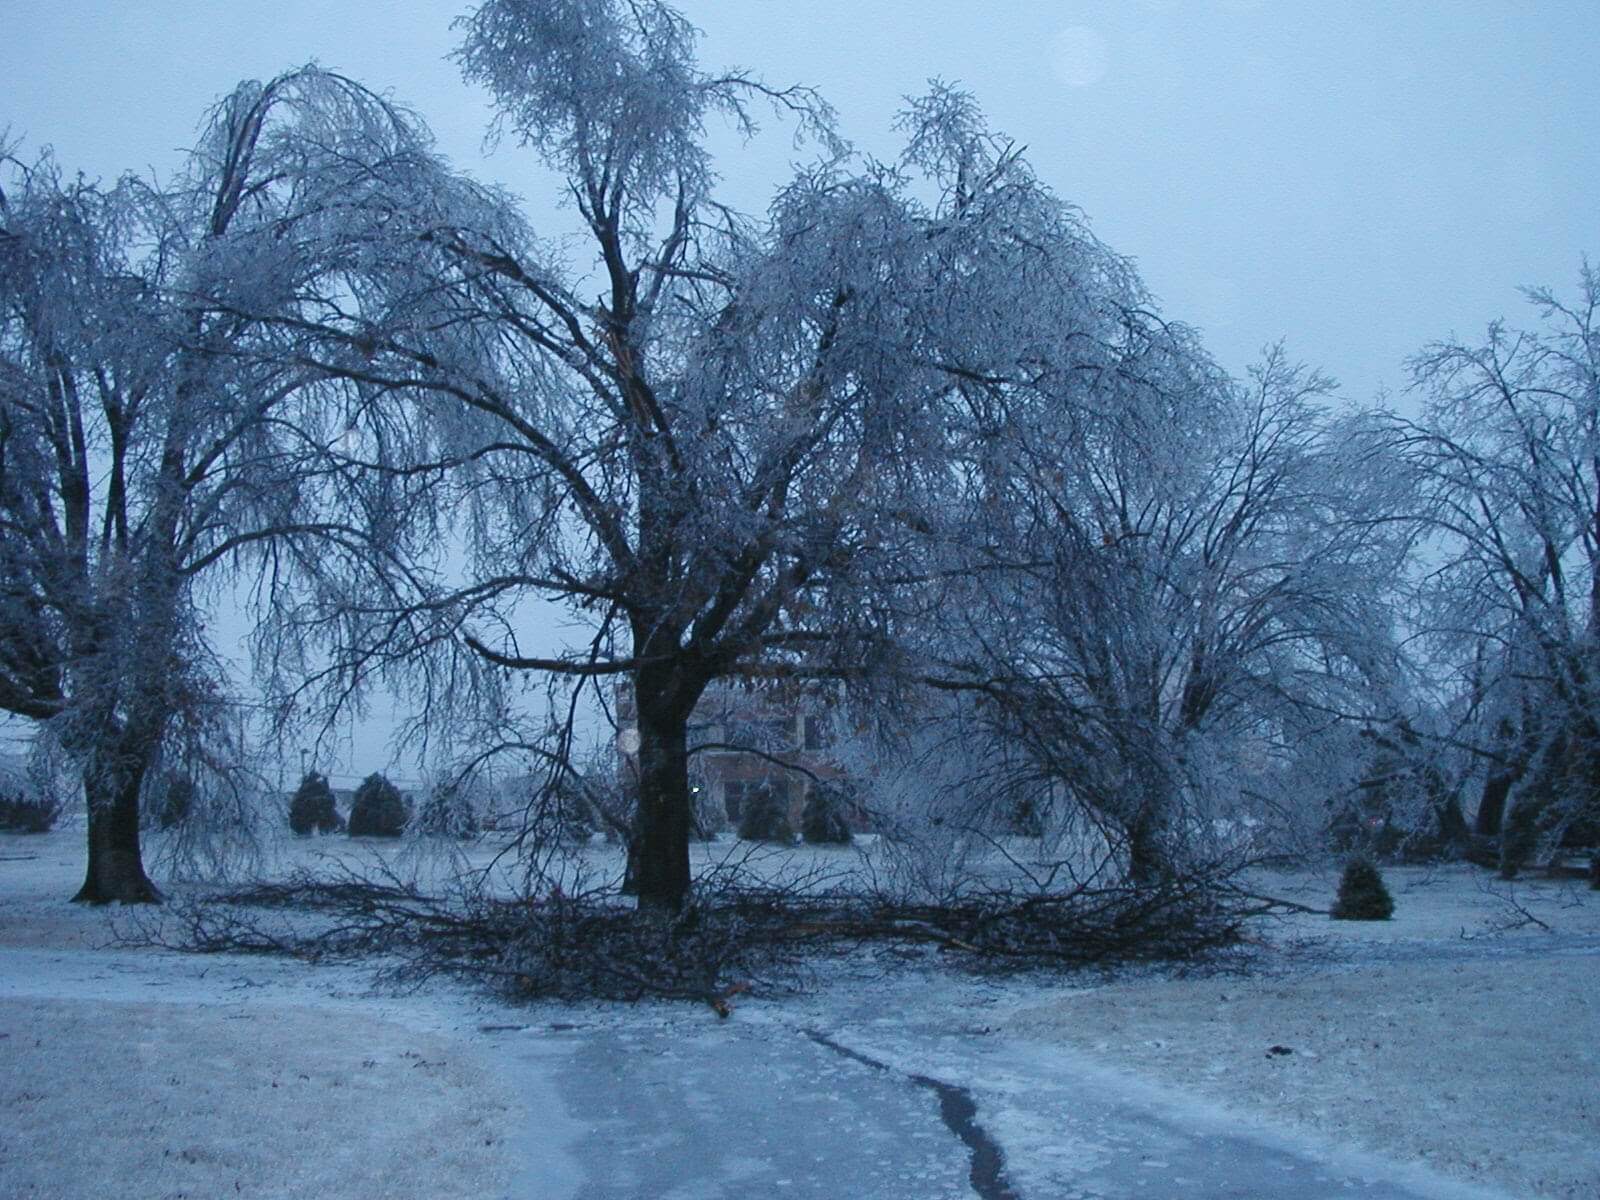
1441,1037
1429,1037
155,1077
213,1099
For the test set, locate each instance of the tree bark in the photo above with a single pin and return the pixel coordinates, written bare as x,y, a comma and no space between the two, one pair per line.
1454,836
1492,802
1147,858
661,864
116,864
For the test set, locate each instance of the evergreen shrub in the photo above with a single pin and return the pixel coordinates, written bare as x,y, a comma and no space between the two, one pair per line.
21,813
378,810
576,820
822,820
1362,895
312,808
764,817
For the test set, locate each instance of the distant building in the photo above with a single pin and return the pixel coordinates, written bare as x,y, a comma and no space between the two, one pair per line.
750,741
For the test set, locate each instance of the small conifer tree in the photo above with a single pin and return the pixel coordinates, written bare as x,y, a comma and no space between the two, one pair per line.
312,807
822,821
377,810
765,818
1362,895
21,813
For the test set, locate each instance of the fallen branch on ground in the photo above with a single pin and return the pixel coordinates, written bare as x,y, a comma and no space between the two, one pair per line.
730,938
1271,905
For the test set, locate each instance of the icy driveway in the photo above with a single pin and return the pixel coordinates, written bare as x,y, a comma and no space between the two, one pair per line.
668,1110
891,1091
883,1086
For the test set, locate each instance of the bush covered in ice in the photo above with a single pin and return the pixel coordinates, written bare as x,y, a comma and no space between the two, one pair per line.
448,811
28,802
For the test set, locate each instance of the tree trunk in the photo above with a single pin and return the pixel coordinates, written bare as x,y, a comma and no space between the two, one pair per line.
1454,835
1521,837
1153,844
116,866
1518,750
665,811
1492,802
1147,858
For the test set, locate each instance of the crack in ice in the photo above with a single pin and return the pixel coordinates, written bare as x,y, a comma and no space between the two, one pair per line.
959,1112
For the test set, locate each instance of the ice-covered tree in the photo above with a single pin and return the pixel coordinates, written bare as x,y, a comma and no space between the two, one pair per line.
729,444
1177,578
83,435
1508,454
148,441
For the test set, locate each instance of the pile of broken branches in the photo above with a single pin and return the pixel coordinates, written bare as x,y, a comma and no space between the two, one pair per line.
729,939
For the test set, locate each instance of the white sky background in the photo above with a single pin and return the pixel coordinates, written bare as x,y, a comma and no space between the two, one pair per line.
1354,177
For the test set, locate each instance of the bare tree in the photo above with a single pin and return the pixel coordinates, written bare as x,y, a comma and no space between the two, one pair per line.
1177,581
1508,453
145,440
733,460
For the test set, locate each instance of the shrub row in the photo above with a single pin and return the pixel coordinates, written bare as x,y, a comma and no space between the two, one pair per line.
377,810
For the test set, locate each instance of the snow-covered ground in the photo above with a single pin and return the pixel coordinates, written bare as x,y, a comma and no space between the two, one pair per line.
1458,1034
1442,1038
183,1076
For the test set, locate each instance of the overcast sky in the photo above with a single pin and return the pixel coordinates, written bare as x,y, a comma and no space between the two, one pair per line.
1353,177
